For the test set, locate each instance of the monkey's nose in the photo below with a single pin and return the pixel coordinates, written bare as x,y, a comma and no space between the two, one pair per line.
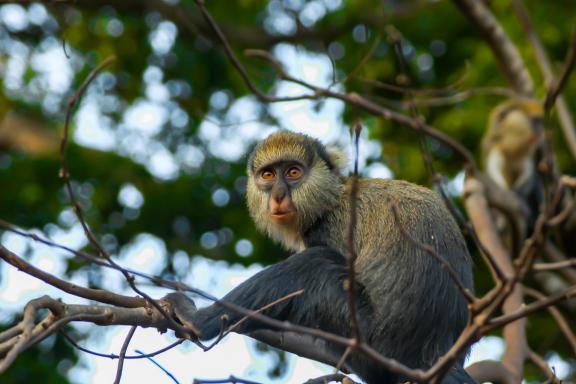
279,195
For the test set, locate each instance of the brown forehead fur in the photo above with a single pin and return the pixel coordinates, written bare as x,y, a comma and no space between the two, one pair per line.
532,108
284,145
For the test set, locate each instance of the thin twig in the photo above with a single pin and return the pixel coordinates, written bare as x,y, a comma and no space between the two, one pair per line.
556,255
263,308
351,99
362,62
352,256
432,252
113,356
170,375
237,64
101,262
123,354
540,267
99,295
557,315
230,379
536,306
339,377
420,92
558,85
543,366
343,358
65,175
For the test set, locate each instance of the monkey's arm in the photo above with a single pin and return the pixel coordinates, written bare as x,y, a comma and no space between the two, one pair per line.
319,271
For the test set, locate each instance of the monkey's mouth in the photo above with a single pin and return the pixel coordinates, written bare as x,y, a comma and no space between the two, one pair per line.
283,216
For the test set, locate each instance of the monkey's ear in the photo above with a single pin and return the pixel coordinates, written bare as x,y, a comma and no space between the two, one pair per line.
339,159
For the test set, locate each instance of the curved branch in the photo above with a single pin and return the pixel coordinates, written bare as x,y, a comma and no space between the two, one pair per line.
123,354
490,371
99,295
352,99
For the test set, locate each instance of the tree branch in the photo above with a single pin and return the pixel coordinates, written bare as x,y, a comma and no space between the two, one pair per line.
99,295
564,114
504,50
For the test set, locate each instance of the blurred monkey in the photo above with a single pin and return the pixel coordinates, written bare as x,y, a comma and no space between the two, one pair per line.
510,142
509,149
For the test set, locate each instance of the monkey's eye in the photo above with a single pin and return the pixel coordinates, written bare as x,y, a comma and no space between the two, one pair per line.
267,175
294,173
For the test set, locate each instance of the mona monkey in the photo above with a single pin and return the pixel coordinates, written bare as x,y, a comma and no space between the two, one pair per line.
509,149
408,306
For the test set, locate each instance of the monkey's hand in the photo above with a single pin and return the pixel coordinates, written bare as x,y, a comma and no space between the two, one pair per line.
183,308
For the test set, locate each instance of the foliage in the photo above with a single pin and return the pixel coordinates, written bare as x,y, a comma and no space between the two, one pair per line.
167,58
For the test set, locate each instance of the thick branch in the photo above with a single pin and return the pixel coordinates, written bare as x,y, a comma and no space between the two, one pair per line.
514,334
504,49
29,332
564,114
490,371
99,295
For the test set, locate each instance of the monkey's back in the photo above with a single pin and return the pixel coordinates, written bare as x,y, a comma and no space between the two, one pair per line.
421,311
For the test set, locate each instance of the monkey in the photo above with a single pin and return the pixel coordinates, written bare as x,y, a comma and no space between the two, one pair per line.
409,307
509,148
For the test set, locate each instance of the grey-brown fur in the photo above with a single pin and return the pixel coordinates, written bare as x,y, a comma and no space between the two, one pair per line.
408,305
416,303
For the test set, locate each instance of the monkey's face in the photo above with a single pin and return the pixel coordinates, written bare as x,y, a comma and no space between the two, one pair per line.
278,180
519,134
292,182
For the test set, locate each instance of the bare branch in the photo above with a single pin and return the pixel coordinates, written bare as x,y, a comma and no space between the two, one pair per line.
540,267
536,306
65,175
490,371
364,60
477,208
123,354
514,335
555,255
556,87
230,379
352,256
564,114
505,51
457,98
352,99
557,315
430,250
29,332
339,377
237,64
543,366
265,307
99,295
113,356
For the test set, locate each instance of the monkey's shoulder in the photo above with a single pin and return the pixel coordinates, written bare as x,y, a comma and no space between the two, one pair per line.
385,191
416,207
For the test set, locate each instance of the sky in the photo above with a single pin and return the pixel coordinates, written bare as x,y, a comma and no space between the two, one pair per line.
135,138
